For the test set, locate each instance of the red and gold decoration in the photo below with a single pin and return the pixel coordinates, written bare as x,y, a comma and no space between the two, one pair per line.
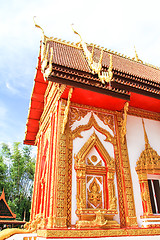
78,120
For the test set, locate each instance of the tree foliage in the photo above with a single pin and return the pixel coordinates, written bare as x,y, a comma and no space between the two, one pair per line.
17,177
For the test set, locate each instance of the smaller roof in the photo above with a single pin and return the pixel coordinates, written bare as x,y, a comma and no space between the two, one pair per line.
5,211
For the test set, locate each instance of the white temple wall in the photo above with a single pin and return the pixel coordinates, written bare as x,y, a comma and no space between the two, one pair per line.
77,145
136,144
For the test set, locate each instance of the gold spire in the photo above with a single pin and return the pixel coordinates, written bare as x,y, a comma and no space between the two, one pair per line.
136,55
136,58
145,135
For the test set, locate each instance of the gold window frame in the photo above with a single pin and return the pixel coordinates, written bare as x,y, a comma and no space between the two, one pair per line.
84,213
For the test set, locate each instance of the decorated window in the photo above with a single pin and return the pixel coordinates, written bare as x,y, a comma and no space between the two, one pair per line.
95,183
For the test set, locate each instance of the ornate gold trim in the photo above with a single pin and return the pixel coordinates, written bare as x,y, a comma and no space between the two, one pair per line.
49,69
60,219
143,113
131,111
93,140
65,119
91,233
76,114
50,107
124,180
81,168
94,109
107,119
124,122
92,122
69,144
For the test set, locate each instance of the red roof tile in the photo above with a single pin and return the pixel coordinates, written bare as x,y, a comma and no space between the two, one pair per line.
68,56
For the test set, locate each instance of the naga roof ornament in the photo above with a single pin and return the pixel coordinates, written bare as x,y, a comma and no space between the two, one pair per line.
45,52
96,67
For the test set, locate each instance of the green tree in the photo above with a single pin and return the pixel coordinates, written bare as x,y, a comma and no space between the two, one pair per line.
19,179
3,173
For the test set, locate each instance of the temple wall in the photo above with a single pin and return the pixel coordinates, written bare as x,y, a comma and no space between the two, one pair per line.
84,123
136,144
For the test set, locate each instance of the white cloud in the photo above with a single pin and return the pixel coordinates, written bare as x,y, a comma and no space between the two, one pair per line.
12,89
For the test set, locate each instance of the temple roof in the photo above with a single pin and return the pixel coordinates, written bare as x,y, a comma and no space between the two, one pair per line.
5,211
100,78
71,62
75,60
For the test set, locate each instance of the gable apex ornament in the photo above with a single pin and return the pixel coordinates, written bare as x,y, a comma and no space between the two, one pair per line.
45,52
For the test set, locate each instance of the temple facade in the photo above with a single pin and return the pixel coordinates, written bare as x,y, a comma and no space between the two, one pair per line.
95,118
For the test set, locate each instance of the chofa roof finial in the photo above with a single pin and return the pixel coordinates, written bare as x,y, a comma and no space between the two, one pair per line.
96,67
36,25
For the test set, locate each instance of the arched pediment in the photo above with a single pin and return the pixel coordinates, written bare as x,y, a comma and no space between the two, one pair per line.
93,141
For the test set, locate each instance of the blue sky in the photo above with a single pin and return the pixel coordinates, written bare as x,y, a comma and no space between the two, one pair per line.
116,25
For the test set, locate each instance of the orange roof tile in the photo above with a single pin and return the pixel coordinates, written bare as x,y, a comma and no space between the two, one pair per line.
73,57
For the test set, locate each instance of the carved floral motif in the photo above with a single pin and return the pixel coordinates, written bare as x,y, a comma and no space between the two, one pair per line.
76,114
92,122
107,120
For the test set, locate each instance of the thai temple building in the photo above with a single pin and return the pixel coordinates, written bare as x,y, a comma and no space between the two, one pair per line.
95,118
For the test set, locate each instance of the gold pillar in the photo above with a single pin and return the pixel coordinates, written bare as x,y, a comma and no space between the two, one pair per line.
124,180
61,170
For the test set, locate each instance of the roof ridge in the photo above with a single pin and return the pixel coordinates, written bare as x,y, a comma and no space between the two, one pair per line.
123,55
65,42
